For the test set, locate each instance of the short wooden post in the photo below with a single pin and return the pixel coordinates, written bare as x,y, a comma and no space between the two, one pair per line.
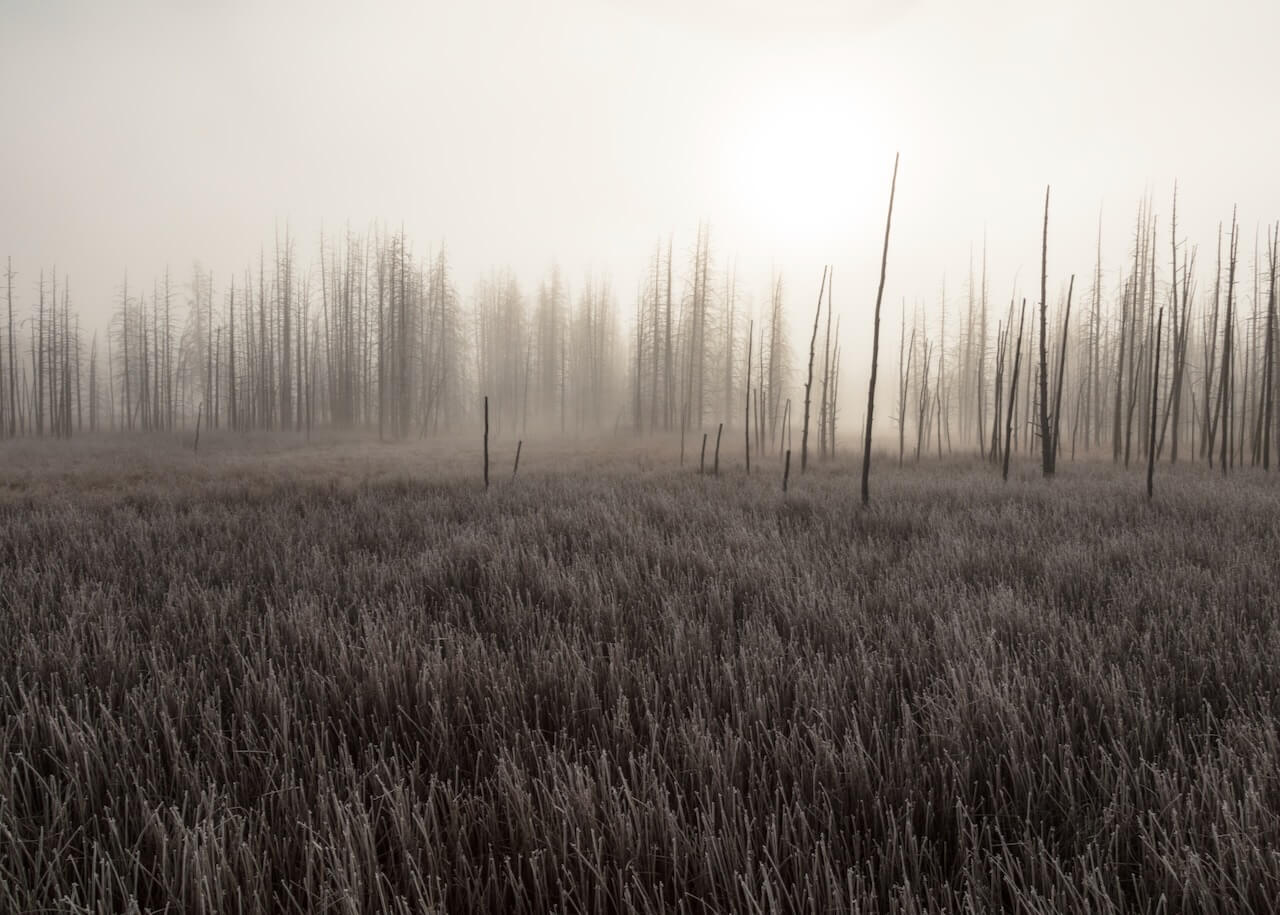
519,445
486,443
786,470
716,467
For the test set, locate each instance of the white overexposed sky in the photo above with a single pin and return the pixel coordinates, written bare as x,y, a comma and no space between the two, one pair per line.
143,134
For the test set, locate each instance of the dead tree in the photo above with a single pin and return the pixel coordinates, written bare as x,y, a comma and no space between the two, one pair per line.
746,425
997,400
13,357
1155,390
823,416
904,376
1273,251
835,386
1224,383
808,385
1013,391
1210,415
875,343
1047,439
922,398
1062,368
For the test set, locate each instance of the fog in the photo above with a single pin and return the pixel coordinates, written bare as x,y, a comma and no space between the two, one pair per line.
139,135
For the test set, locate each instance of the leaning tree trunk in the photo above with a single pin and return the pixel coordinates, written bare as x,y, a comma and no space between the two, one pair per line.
1013,391
808,385
875,342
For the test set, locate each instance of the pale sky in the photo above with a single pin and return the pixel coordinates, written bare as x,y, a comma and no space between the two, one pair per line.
140,134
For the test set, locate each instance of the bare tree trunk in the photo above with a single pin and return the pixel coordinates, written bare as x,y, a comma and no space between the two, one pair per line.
653,389
668,376
823,415
1268,380
808,385
13,357
1155,390
1224,383
1013,391
982,357
730,295
1062,368
875,343
1047,439
786,423
997,400
1119,404
1209,436
746,424
904,376
832,412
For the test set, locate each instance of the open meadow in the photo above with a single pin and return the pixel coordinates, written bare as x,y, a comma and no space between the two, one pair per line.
346,678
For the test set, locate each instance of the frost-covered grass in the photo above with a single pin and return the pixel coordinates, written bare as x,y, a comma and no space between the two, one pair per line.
347,679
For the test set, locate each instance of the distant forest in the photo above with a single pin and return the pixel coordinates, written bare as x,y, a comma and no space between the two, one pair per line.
368,336
1149,352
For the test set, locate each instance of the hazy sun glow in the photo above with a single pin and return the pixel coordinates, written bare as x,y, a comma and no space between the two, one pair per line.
803,164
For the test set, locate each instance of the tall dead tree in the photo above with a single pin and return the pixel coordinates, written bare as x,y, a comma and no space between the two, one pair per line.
284,287
875,343
13,356
1273,253
982,355
1062,369
746,424
1013,392
1155,390
832,407
808,384
1046,437
826,375
1212,403
1225,382
997,400
905,355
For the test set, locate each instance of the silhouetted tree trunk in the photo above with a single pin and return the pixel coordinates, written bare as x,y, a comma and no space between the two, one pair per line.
1155,390
1268,382
1062,370
1013,391
1224,383
875,343
808,385
1047,439
746,424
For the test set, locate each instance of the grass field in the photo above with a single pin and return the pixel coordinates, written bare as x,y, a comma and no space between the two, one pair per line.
347,679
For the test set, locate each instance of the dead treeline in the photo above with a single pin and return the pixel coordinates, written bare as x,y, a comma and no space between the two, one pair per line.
1099,376
365,334
700,358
